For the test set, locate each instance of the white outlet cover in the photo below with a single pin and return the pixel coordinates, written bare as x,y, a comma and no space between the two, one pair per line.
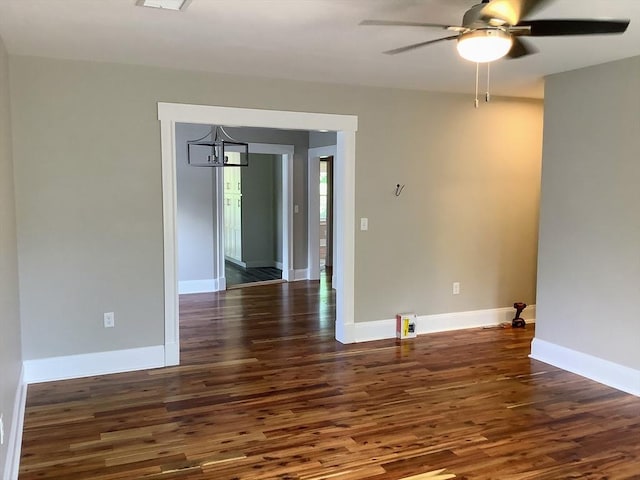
1,430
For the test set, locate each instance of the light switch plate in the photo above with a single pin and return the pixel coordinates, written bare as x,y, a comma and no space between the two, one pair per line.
109,320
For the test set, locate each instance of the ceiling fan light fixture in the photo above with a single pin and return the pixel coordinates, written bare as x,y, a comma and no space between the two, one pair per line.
484,45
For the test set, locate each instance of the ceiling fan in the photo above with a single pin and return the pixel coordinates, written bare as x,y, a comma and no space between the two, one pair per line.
492,29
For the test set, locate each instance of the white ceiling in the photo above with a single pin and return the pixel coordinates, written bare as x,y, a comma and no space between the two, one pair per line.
317,40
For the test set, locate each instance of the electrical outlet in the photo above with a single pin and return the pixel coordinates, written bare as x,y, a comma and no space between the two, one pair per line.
109,320
364,224
1,430
456,288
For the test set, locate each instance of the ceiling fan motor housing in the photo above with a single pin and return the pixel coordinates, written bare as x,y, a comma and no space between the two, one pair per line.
474,18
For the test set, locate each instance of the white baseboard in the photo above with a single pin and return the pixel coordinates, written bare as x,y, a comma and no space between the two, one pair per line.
171,354
14,444
261,264
377,330
346,333
198,286
89,364
301,274
382,329
594,368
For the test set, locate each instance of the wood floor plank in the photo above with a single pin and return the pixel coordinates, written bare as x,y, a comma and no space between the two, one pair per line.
265,392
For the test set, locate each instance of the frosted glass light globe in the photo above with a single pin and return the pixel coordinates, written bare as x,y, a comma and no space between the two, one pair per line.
485,45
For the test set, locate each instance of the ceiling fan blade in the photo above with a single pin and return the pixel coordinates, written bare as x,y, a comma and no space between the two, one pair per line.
418,45
511,11
549,28
520,48
393,23
529,7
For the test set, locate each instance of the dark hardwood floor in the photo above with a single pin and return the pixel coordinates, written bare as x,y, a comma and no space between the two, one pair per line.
265,392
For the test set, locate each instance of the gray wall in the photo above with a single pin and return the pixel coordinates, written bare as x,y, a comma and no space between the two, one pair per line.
195,207
10,341
88,188
258,211
468,212
322,139
589,265
87,157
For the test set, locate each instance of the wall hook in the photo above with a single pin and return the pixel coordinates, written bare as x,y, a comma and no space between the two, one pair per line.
399,189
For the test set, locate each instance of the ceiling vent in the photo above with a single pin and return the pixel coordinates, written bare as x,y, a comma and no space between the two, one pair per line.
164,4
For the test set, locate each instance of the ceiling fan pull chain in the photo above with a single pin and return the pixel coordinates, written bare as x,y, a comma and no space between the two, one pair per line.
477,104
487,96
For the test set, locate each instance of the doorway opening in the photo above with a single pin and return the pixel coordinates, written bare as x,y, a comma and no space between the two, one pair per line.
326,215
321,257
253,222
234,224
264,244
170,114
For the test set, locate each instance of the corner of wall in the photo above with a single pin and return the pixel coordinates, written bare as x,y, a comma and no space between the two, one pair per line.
597,369
14,444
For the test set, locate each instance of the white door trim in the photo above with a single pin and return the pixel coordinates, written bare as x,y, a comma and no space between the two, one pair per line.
313,214
344,186
169,212
218,226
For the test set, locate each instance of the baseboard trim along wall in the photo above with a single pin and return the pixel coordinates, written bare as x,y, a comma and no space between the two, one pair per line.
597,369
262,264
89,364
382,329
14,444
301,274
198,286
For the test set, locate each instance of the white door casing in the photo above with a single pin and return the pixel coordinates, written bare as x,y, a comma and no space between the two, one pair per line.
344,186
